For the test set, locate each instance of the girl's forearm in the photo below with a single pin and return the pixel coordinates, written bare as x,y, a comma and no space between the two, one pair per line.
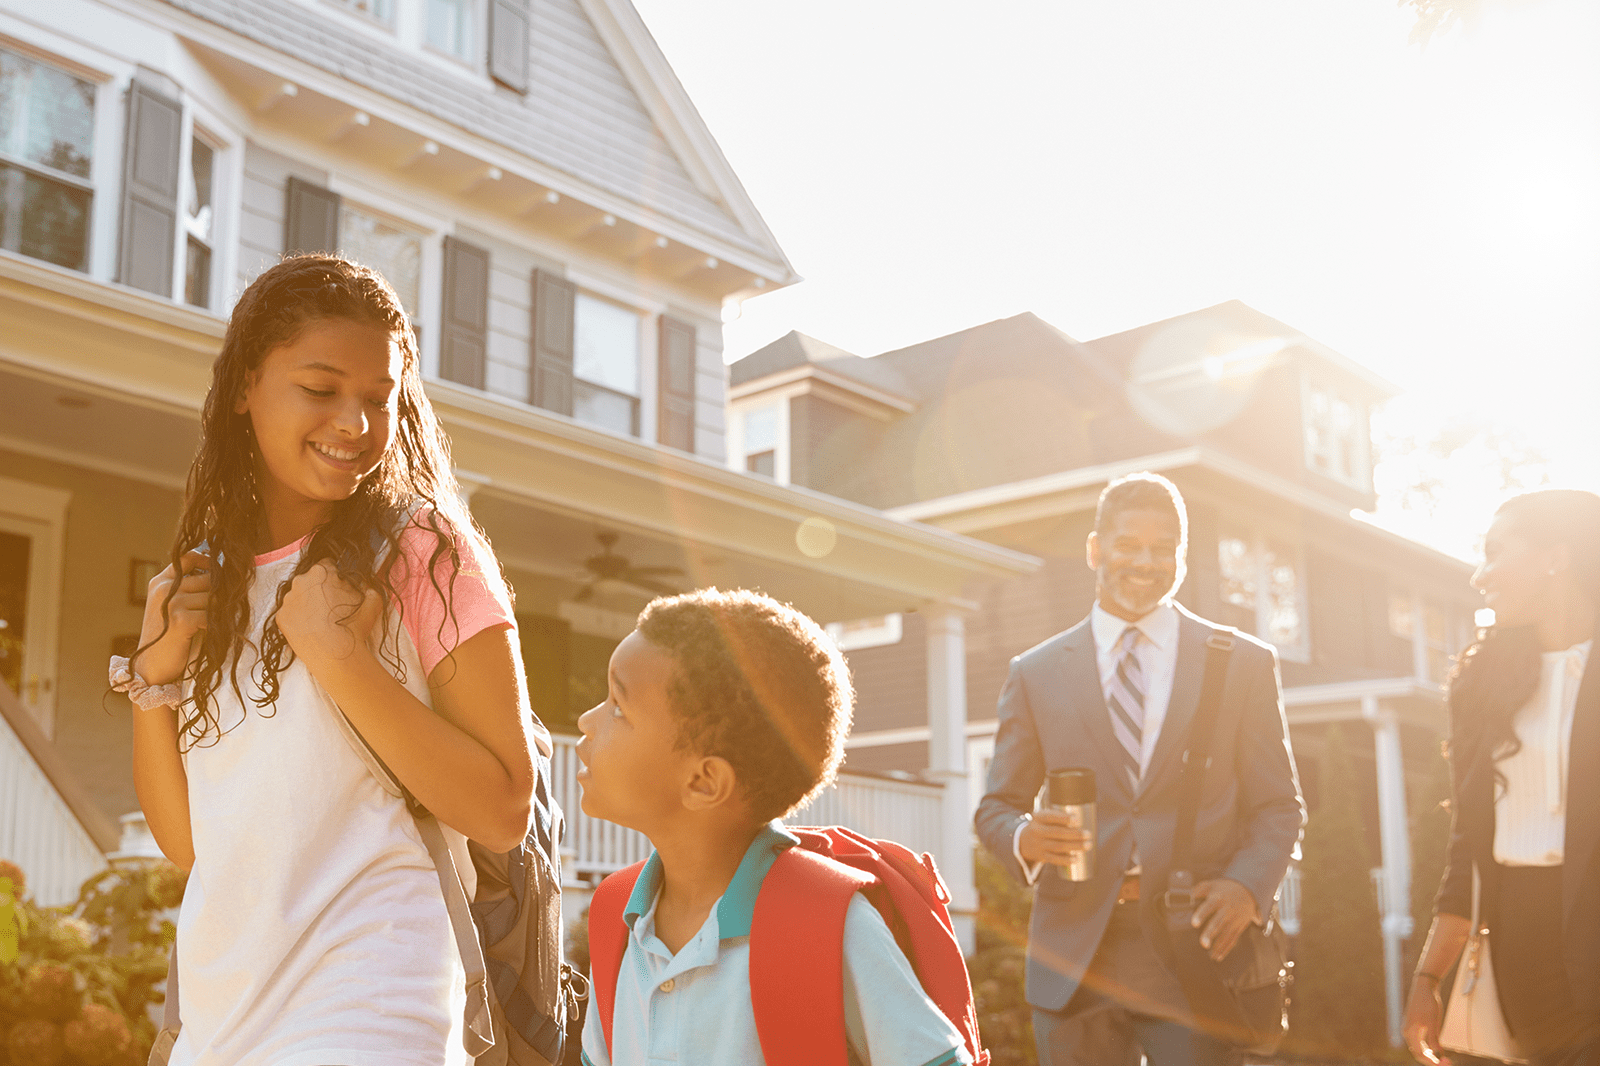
1447,936
450,772
161,783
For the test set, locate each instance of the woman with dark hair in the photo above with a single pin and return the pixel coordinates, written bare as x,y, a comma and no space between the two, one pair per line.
1525,758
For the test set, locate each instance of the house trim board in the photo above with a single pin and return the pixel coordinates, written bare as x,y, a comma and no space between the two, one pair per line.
875,397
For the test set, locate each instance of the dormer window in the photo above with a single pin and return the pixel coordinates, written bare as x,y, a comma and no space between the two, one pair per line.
1336,437
761,440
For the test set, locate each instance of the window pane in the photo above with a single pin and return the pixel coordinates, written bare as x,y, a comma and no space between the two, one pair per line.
1238,567
46,116
761,430
1285,618
197,275
60,121
1401,624
763,463
393,252
1433,625
44,219
602,407
450,27
197,191
381,10
606,344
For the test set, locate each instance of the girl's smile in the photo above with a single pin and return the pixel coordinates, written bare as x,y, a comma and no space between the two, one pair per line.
319,410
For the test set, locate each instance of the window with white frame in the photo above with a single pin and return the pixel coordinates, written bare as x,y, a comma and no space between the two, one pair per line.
879,631
46,148
198,220
605,363
391,248
1263,575
378,10
1426,624
1336,436
450,26
761,440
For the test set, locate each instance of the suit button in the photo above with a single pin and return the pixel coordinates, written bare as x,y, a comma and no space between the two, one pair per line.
669,984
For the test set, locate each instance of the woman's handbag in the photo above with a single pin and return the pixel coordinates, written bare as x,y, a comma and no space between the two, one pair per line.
1244,999
1473,1021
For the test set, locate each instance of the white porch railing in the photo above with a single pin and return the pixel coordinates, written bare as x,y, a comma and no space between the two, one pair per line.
38,830
905,811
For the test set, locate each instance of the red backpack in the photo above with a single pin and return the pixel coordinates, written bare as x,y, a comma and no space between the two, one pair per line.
797,974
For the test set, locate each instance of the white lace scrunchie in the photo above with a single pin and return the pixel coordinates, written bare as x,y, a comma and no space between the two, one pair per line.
147,696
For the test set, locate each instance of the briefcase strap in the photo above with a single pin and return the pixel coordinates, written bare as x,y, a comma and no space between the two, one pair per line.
1191,778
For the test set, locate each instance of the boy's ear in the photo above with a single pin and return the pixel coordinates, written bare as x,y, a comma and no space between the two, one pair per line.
711,784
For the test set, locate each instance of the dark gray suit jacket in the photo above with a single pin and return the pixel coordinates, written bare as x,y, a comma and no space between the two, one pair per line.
1053,715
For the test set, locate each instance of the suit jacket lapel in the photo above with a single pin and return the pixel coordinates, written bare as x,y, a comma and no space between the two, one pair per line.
1583,783
1185,699
1081,683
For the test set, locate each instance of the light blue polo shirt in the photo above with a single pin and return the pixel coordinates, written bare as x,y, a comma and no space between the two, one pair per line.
693,1008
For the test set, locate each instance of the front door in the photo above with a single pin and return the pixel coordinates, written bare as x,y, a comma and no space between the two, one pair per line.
29,572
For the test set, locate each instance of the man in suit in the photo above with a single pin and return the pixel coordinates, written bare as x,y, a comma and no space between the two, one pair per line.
1116,693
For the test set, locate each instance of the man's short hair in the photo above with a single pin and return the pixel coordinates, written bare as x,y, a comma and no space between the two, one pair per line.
759,684
1143,491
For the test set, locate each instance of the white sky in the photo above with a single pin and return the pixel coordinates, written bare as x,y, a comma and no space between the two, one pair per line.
929,166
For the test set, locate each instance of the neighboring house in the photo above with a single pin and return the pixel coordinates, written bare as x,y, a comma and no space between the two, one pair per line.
1008,432
556,217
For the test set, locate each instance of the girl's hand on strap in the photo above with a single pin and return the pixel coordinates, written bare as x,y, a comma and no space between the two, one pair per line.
163,661
326,622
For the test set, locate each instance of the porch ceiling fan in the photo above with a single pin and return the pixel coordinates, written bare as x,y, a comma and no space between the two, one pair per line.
610,567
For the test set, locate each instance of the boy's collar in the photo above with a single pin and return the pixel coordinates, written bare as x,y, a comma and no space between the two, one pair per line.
737,907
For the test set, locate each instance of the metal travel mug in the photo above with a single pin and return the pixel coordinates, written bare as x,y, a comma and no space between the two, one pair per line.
1071,791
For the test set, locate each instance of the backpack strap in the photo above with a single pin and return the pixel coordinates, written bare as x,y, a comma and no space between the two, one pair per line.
797,957
608,940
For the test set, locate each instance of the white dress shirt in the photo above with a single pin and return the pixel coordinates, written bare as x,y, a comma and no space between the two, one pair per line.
1158,660
1530,813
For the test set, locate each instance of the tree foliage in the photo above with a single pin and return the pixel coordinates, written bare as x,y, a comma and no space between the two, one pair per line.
1337,1011
1435,17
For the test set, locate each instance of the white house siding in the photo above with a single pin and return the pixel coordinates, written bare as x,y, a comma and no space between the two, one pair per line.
266,179
511,268
38,831
580,114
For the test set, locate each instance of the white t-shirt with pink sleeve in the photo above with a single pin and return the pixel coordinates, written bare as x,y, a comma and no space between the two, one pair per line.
313,929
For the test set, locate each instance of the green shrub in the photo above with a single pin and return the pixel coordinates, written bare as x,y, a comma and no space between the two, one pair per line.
77,982
1337,1011
1005,1021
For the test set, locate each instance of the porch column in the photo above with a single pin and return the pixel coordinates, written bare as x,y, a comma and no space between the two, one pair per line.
1395,844
947,760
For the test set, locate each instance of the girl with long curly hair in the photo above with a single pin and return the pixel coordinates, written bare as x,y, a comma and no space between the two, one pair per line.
324,563
1525,758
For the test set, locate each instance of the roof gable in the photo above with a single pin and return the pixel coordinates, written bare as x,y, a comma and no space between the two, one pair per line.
603,107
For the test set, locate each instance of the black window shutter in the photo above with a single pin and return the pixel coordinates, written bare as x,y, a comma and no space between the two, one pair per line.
508,43
150,190
675,384
550,380
310,218
464,321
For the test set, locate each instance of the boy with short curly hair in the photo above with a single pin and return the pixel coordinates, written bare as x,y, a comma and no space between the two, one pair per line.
726,710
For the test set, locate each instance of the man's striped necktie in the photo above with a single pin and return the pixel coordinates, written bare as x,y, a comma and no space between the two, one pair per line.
1126,700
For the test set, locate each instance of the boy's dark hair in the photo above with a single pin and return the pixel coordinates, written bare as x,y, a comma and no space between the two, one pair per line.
759,684
1143,491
